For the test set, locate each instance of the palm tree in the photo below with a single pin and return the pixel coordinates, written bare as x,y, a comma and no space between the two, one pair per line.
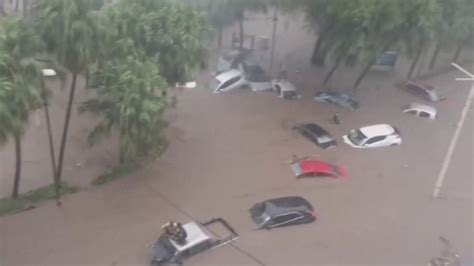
20,81
173,35
71,32
129,99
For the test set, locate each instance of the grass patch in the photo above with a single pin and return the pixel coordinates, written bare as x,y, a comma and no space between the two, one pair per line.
115,173
10,206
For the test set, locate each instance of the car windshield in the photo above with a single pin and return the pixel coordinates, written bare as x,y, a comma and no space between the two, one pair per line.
357,137
258,214
324,139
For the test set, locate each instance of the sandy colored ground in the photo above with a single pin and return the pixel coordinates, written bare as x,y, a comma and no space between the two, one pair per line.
230,150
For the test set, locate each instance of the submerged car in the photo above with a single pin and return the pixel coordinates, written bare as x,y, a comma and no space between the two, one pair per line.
282,212
337,98
375,136
227,81
309,168
285,89
230,60
422,90
255,75
421,110
197,239
317,135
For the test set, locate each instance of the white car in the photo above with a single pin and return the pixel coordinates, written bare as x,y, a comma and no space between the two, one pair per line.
375,136
227,81
421,110
284,89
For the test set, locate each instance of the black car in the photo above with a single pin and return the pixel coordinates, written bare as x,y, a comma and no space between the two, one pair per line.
282,212
317,135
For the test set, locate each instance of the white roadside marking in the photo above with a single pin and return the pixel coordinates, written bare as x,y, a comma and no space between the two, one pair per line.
454,140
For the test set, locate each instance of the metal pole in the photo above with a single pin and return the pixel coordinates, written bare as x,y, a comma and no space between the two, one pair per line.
272,52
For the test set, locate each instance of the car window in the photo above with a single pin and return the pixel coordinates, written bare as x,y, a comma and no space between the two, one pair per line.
277,88
230,82
411,112
281,219
424,114
375,139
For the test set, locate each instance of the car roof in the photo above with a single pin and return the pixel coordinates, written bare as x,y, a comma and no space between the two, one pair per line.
225,76
286,204
422,107
315,129
196,234
315,166
377,130
285,85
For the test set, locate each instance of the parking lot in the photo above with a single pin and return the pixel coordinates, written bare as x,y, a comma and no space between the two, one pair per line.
232,150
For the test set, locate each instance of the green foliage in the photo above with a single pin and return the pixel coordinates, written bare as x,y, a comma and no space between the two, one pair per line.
72,31
20,76
173,35
130,99
10,206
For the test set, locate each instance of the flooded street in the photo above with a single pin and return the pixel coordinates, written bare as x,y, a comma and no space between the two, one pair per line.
231,150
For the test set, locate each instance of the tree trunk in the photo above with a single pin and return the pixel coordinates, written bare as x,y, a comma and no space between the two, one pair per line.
241,32
2,7
272,52
435,55
331,72
458,51
62,148
219,37
16,182
362,75
17,5
415,61
51,148
371,63
25,8
122,155
317,58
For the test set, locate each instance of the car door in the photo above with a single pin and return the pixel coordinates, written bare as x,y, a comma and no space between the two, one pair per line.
286,219
195,250
378,141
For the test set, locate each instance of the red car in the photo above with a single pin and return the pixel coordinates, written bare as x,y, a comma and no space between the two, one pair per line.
306,168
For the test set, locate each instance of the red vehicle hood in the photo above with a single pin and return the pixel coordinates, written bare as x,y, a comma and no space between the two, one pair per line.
308,167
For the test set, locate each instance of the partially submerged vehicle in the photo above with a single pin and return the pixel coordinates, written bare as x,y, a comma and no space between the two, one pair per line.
421,110
255,75
310,168
317,135
230,60
282,212
374,136
337,98
197,239
425,91
227,81
285,89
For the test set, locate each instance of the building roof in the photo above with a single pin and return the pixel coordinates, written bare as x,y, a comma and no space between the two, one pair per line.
196,234
377,130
